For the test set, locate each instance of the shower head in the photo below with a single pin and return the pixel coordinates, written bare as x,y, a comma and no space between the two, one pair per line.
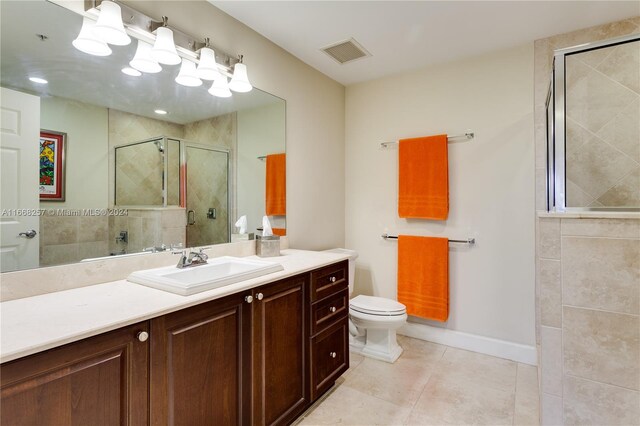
159,145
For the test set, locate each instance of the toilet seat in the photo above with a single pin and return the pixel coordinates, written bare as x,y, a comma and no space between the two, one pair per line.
377,306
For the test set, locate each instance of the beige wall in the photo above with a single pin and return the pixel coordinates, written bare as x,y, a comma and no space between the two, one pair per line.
86,152
315,118
491,185
588,287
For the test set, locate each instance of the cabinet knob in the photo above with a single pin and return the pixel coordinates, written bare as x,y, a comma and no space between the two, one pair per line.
142,336
332,279
332,309
332,354
248,299
259,296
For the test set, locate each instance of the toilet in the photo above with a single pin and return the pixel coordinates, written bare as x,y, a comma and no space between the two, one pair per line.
373,321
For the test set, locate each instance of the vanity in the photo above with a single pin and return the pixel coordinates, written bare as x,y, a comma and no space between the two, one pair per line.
260,351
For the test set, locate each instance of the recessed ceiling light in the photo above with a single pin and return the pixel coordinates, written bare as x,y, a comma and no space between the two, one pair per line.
38,80
131,71
161,112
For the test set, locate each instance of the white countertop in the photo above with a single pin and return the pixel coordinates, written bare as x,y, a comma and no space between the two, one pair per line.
34,324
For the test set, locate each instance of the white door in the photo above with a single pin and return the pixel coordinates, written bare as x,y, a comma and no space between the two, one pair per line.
19,194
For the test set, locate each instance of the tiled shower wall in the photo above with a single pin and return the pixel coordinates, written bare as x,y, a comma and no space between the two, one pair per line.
587,287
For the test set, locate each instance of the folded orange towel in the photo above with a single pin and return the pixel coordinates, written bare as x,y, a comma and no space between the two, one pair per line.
279,231
423,276
423,190
276,190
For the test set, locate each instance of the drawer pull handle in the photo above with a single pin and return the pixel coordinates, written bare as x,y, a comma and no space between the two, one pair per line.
332,309
332,279
142,336
248,299
260,296
332,354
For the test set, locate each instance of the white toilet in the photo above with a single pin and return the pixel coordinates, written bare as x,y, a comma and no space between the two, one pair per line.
373,321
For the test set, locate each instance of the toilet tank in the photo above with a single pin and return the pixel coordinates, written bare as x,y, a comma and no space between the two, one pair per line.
353,255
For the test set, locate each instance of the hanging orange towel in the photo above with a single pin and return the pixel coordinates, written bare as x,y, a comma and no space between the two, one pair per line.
279,231
276,191
423,276
423,190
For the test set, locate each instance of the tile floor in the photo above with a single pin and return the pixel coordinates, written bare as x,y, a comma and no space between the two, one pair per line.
431,385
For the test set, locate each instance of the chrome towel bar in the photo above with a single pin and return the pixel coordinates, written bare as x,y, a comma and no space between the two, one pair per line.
467,241
468,136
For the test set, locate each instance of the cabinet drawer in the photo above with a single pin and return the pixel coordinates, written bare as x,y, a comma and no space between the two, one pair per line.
325,312
329,357
328,280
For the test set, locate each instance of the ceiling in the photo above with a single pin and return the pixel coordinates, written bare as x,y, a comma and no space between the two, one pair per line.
405,35
97,80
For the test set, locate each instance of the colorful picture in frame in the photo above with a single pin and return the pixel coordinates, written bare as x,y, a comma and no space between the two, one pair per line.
51,179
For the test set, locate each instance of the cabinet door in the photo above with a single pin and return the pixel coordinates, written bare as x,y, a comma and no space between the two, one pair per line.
197,356
97,381
280,339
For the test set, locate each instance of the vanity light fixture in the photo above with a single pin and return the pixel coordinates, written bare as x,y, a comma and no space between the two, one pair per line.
164,49
109,26
208,68
188,76
142,60
131,71
220,87
160,112
240,80
88,42
38,80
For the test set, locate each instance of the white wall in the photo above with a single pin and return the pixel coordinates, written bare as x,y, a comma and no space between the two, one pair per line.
491,184
261,131
86,154
315,117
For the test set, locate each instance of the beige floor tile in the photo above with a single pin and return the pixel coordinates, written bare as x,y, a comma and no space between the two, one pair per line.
347,406
527,407
401,382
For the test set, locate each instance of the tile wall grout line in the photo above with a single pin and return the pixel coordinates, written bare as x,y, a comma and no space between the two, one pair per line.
601,310
603,383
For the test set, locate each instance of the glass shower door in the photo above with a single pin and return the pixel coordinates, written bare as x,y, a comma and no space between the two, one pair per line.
207,195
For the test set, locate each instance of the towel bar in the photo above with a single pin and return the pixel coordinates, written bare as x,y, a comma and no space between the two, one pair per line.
468,135
467,241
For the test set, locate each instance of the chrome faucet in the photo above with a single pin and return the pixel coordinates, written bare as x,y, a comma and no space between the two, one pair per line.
193,258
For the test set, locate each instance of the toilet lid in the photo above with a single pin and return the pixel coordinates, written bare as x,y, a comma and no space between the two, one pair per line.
376,305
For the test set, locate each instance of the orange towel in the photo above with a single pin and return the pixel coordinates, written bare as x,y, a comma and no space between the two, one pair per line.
276,191
423,276
423,190
279,231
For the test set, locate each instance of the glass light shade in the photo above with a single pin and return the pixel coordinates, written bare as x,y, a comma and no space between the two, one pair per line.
109,26
220,87
88,42
208,68
240,81
142,61
187,75
131,72
164,49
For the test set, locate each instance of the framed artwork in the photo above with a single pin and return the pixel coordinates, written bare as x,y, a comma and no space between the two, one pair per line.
52,170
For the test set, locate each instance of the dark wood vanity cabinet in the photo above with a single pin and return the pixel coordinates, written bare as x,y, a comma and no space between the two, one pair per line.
97,381
258,357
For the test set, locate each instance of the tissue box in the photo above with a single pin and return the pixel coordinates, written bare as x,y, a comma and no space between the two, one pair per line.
268,246
241,237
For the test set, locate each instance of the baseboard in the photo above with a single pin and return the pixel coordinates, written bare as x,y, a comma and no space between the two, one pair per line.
472,342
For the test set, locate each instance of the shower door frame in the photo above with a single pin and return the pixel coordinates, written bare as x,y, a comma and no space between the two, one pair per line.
556,128
183,177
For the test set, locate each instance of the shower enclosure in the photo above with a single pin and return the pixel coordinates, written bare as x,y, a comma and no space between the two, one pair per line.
166,172
593,127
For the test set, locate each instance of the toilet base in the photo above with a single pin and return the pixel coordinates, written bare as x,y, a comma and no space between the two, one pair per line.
378,344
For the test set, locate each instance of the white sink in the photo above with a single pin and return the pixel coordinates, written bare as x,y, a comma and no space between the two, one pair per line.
218,272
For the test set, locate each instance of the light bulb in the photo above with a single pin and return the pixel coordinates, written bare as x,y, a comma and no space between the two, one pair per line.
187,75
164,49
220,87
240,81
88,42
109,26
142,61
208,68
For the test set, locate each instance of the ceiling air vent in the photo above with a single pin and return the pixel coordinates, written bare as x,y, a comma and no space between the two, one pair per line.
346,51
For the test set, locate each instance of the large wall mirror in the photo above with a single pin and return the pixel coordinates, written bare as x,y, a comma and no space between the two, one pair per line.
120,164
